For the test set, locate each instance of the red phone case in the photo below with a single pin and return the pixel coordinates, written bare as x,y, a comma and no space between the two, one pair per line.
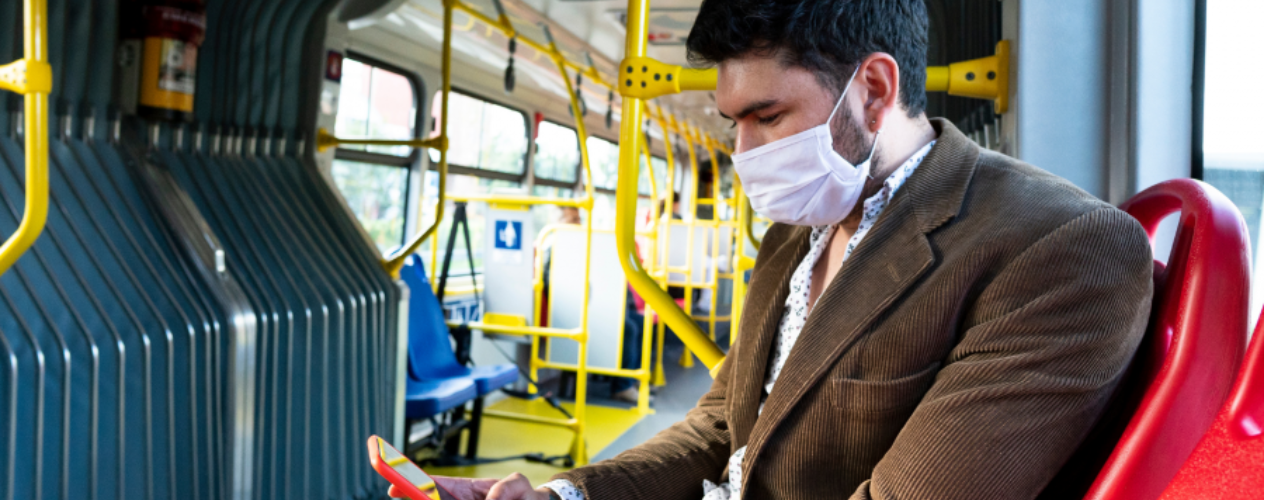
426,491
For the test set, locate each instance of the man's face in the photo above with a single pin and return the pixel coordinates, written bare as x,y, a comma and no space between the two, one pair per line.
768,100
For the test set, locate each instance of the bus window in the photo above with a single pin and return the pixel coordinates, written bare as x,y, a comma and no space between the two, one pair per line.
644,188
603,210
556,154
377,194
483,135
376,103
603,158
1233,156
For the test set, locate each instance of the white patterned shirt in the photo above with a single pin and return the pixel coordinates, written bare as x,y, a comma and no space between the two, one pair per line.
793,317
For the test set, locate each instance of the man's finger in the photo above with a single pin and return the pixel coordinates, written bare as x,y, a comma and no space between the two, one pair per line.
514,487
395,492
463,488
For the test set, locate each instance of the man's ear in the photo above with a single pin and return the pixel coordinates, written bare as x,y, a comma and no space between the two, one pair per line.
880,78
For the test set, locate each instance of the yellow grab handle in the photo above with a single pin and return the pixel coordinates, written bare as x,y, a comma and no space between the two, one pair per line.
394,263
32,77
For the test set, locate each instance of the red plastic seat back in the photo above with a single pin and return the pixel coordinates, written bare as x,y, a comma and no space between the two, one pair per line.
1194,344
1229,461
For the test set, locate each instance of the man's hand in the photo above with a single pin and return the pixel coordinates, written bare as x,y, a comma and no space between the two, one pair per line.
514,487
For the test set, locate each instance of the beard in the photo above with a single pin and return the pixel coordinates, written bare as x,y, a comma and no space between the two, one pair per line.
849,142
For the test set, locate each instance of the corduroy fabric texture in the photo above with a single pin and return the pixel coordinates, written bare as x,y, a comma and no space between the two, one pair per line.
962,352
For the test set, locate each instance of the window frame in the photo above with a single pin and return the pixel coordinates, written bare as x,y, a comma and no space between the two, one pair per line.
480,172
1199,89
408,163
579,165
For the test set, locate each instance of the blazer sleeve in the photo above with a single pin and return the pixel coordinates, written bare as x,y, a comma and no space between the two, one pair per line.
672,464
1050,338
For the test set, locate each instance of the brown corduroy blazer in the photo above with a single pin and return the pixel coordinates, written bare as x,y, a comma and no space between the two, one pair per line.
963,351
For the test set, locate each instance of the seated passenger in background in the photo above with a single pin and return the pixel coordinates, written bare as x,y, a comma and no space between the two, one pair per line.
621,389
926,320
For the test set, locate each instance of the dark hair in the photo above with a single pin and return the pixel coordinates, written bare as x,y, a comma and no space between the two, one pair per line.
828,37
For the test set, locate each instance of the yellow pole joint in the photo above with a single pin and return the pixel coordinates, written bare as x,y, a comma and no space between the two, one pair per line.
986,78
647,78
27,77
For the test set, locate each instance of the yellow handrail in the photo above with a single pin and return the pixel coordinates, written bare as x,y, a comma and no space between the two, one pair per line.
705,141
395,262
548,48
325,140
32,77
509,199
625,202
579,450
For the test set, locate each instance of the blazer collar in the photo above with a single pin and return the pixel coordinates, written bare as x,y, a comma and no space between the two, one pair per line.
938,188
766,299
889,261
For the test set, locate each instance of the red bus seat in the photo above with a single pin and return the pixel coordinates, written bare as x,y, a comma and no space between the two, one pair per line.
1186,363
1228,463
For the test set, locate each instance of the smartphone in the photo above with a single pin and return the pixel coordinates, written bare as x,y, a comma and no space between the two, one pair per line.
403,473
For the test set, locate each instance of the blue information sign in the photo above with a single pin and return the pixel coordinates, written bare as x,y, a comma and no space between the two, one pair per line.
508,235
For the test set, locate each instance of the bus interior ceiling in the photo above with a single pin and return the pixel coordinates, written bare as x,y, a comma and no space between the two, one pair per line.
229,294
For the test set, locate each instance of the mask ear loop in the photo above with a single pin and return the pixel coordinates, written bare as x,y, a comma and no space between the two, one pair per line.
830,122
872,150
839,104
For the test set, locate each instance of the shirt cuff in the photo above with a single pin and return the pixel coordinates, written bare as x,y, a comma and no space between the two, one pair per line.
565,489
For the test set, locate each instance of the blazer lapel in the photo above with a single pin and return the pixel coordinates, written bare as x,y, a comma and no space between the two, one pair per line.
890,260
766,298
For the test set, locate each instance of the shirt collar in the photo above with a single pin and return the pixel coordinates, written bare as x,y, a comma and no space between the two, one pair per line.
896,180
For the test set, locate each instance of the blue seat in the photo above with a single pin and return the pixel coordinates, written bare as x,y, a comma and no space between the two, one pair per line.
430,355
427,398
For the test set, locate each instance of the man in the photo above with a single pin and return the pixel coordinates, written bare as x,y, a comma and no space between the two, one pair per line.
950,330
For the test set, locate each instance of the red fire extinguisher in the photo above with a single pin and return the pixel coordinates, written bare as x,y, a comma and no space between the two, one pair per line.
173,31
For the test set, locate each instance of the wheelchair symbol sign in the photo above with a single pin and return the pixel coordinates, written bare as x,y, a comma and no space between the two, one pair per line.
508,235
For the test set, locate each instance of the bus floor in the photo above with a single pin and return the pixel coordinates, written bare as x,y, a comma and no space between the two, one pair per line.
612,426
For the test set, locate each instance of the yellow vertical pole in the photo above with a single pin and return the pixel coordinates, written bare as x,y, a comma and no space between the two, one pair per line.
691,222
660,375
36,86
579,447
739,253
645,378
715,227
625,220
445,92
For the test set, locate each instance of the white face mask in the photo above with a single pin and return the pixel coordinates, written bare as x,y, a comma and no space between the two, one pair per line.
801,180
